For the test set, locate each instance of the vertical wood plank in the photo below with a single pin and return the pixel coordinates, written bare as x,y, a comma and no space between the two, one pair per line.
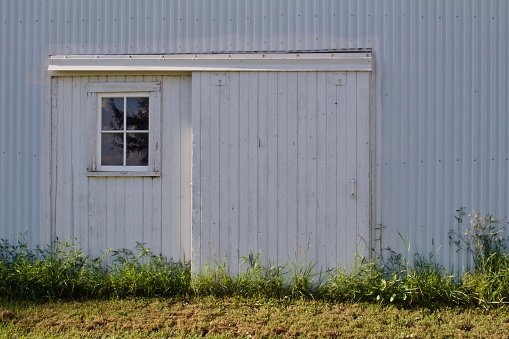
64,182
156,233
87,126
166,165
56,105
88,234
262,166
130,214
156,229
97,233
205,149
223,120
185,168
90,125
252,104
333,216
244,225
78,156
197,171
172,123
213,112
342,177
233,170
363,166
351,158
110,220
147,218
119,241
283,197
321,175
293,173
302,181
272,167
311,168
136,203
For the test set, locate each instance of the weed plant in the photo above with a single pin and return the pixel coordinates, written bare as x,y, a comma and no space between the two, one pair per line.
63,271
142,273
289,281
487,283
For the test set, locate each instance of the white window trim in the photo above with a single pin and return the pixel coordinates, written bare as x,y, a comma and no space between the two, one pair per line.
95,91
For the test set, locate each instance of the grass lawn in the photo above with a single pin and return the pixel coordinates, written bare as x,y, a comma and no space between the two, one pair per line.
248,318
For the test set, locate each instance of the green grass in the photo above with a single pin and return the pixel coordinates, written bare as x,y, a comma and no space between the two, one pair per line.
62,271
243,317
58,291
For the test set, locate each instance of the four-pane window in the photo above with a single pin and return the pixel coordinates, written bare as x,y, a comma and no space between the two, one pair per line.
124,131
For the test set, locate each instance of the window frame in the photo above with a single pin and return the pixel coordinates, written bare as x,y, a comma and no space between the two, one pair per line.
95,93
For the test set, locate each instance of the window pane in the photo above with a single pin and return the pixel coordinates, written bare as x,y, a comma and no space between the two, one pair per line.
137,114
112,114
112,145
137,149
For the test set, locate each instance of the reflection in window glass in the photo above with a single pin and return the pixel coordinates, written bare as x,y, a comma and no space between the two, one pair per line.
124,144
112,113
137,114
137,149
112,146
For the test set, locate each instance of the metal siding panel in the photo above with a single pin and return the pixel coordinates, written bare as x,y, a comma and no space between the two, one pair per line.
447,57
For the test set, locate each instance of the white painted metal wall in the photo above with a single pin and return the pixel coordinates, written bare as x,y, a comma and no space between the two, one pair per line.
439,110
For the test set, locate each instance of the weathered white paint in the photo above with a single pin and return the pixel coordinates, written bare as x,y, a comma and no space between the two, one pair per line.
330,61
117,211
273,156
153,92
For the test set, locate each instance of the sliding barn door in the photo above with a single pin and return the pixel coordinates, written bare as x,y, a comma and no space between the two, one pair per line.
117,210
280,167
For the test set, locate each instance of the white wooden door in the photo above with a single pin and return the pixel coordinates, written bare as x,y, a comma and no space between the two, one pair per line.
116,211
280,167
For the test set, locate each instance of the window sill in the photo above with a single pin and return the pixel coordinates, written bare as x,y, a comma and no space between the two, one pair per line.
123,174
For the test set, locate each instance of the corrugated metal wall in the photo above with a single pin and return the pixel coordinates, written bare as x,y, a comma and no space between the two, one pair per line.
440,102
